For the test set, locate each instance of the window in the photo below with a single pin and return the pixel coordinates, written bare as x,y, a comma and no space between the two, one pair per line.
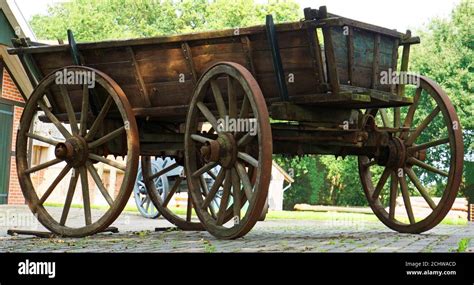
39,154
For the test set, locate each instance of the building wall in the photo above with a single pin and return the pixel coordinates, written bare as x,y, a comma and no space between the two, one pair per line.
10,92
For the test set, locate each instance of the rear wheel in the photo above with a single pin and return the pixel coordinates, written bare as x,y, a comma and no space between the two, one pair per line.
241,156
424,158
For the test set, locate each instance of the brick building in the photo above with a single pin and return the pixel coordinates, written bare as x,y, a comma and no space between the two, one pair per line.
11,107
13,87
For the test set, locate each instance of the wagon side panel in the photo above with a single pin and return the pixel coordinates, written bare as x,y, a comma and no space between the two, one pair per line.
362,55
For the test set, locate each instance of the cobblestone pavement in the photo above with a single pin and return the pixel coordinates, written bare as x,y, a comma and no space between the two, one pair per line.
137,235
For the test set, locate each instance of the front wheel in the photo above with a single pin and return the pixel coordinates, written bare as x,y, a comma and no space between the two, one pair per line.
82,137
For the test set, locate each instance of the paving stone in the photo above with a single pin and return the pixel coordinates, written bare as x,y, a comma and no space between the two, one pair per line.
136,234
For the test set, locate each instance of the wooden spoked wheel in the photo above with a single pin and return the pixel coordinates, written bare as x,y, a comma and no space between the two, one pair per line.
162,200
243,156
142,199
424,158
81,145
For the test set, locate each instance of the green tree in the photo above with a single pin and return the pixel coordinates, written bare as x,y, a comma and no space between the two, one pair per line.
94,20
446,54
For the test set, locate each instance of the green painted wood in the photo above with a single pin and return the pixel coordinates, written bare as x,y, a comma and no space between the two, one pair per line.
6,120
6,30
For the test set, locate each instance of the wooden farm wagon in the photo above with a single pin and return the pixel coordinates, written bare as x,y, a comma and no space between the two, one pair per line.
322,85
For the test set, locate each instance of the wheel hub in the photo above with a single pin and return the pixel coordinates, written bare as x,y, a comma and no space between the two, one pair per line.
393,155
74,151
222,150
397,154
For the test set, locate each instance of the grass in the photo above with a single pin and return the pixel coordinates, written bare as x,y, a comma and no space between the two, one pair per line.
288,215
208,247
463,244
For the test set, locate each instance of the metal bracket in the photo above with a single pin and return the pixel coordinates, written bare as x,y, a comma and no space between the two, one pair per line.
277,64
76,56
77,59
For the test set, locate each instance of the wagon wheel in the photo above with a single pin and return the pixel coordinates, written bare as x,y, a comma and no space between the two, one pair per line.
162,202
76,150
424,157
244,157
142,199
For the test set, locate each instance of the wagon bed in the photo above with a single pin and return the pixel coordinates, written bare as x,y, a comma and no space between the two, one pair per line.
158,74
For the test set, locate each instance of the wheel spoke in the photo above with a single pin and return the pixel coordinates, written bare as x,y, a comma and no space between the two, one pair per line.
370,163
232,97
84,110
426,166
411,174
208,115
385,120
411,111
412,138
107,138
85,196
107,161
42,166
248,158
381,183
69,109
172,191
224,199
200,139
396,117
189,209
428,145
54,120
205,168
147,207
142,202
99,119
236,193
213,176
42,139
245,180
163,171
215,187
54,184
406,199
205,192
244,111
218,98
246,139
69,196
393,196
98,182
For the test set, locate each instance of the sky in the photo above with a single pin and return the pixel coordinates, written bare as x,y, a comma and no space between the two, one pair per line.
392,14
